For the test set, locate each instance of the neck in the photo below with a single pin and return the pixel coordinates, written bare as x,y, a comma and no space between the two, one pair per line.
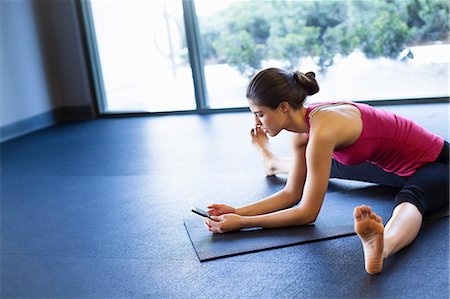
296,121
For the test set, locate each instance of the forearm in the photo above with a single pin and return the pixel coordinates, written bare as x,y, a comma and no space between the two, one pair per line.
278,201
288,217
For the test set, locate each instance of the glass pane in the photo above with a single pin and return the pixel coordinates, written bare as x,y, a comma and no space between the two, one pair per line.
143,55
359,50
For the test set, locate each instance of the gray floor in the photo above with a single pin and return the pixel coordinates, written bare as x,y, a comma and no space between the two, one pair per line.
95,209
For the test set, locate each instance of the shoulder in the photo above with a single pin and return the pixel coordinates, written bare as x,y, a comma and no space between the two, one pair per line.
332,119
325,122
327,126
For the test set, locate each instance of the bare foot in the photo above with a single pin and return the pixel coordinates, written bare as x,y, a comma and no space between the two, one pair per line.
370,229
261,141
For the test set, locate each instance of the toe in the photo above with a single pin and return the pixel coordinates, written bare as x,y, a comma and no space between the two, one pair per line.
357,213
368,212
363,209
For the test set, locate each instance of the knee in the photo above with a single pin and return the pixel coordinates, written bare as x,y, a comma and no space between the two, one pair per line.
411,197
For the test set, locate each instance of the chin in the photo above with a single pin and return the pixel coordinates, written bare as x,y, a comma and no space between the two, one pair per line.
273,134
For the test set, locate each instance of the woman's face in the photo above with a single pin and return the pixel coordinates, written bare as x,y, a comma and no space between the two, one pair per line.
271,121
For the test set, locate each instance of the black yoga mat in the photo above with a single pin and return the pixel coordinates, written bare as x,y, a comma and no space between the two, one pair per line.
335,220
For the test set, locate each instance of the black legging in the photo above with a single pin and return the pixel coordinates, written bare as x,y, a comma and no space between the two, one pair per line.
427,188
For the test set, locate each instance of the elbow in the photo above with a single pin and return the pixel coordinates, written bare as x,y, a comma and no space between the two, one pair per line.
293,197
311,218
308,217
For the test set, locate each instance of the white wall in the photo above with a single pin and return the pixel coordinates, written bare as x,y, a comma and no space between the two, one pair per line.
43,65
24,89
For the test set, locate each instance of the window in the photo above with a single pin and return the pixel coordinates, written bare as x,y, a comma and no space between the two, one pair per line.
360,50
143,56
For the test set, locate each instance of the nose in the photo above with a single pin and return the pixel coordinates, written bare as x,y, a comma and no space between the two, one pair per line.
257,121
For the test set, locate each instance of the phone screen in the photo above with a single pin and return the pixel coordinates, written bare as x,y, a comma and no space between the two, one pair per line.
200,212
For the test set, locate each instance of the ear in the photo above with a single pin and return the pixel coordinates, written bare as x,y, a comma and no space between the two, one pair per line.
284,106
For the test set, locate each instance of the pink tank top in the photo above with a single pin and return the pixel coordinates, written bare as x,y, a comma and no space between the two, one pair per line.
389,141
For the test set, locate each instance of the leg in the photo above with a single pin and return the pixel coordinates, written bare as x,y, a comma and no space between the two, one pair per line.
402,228
379,242
366,172
272,164
425,192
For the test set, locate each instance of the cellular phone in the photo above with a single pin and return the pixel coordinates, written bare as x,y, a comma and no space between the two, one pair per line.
201,212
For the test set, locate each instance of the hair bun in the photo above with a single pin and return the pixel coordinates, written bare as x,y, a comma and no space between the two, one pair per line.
310,75
308,82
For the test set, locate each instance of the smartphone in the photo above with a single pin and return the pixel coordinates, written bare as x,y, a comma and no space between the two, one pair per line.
201,212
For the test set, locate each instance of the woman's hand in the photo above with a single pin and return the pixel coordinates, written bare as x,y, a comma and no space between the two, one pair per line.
220,209
224,223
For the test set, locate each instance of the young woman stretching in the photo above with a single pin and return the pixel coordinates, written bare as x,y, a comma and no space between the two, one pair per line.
344,140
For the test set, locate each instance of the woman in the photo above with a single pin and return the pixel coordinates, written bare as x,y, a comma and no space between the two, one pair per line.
346,140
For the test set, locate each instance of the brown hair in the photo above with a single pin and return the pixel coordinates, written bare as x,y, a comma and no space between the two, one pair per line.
272,86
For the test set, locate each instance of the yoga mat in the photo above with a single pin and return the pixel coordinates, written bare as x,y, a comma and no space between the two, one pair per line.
335,220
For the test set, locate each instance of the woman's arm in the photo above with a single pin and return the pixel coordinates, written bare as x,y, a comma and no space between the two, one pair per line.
318,159
292,192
